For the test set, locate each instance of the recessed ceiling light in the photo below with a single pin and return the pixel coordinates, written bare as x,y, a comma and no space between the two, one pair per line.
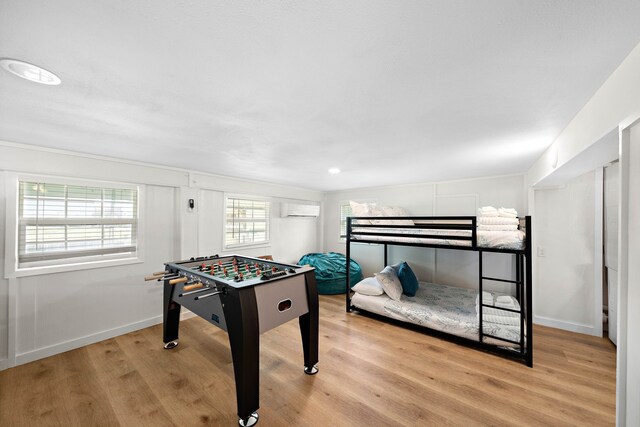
29,71
334,170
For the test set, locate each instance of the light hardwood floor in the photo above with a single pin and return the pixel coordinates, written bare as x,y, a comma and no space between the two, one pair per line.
372,373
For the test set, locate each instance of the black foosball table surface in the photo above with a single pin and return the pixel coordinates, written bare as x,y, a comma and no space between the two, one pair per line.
234,270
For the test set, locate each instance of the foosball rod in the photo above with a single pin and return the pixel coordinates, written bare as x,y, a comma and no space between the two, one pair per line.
208,295
197,291
169,276
156,276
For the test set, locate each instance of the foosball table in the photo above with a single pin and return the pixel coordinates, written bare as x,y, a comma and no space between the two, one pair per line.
244,296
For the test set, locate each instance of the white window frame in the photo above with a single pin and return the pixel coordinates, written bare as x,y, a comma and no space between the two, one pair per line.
231,247
13,270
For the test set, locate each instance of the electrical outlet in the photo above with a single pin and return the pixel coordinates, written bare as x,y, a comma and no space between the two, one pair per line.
541,252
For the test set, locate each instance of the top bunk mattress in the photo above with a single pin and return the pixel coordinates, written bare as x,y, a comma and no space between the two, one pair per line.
512,239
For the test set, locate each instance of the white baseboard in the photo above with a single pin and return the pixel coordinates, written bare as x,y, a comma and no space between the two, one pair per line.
43,352
186,314
567,326
4,364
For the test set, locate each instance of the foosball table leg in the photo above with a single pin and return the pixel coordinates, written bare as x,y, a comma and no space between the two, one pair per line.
311,370
171,318
251,420
309,326
171,344
241,314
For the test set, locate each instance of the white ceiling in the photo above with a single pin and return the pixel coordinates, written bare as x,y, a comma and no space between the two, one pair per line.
388,91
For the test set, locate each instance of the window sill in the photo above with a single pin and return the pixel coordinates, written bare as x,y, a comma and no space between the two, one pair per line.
87,265
233,248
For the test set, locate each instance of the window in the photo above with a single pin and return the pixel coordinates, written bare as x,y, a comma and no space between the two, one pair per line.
247,221
62,223
345,211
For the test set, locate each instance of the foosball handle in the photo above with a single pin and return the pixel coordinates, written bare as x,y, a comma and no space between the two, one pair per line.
191,287
178,280
154,276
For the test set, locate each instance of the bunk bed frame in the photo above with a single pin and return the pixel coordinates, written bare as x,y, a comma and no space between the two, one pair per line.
428,228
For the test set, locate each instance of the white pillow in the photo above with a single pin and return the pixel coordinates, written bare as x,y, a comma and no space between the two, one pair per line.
368,286
362,209
370,209
390,283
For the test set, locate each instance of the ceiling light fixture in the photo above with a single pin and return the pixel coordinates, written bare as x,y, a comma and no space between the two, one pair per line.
334,170
30,72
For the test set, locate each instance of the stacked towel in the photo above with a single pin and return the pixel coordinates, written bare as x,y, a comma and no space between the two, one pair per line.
490,211
492,219
498,227
487,299
487,211
507,213
496,220
495,315
500,317
506,301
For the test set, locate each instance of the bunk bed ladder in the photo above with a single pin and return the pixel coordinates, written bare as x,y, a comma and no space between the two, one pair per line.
519,282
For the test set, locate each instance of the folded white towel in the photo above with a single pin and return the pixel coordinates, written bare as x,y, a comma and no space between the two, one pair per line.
496,316
506,301
497,220
508,213
504,227
487,211
487,299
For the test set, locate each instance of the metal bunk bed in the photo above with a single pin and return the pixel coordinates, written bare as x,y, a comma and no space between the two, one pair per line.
455,233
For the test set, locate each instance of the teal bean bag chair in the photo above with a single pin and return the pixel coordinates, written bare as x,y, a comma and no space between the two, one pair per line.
331,271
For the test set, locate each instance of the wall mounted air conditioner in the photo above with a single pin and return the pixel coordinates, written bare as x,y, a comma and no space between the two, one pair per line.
299,210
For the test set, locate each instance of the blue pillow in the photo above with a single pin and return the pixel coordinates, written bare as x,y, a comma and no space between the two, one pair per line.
408,280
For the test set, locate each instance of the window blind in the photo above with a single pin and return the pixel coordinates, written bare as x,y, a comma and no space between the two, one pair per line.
58,221
247,221
345,211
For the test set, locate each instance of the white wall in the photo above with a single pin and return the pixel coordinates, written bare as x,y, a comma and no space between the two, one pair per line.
565,284
628,362
50,313
462,197
615,102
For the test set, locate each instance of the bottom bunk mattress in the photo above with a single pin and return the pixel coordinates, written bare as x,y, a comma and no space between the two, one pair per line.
444,308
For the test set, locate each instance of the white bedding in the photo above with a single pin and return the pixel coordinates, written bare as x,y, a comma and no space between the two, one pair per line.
512,239
444,308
